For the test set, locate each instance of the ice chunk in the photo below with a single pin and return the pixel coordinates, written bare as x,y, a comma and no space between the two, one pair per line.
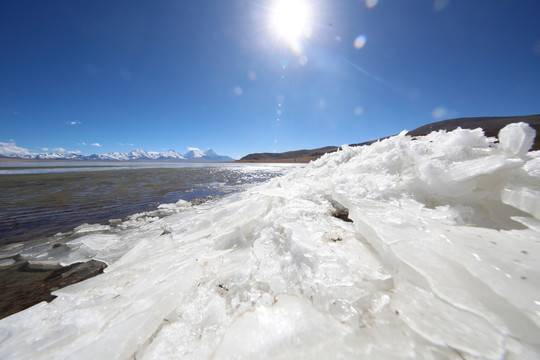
86,228
183,204
517,139
446,325
51,257
524,198
178,206
34,250
98,241
10,250
291,328
6,262
81,254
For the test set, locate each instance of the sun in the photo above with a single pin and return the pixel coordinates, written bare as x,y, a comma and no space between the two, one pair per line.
290,19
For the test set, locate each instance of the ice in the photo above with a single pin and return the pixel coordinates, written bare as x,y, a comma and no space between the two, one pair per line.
423,248
10,250
523,198
290,328
53,256
89,228
6,262
517,139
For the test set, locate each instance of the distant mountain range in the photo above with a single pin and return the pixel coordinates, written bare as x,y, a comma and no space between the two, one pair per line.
490,125
193,155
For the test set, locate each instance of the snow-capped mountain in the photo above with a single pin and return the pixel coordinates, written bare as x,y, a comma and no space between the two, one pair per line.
207,155
193,155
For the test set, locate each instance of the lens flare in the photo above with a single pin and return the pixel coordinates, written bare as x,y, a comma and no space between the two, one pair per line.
439,5
360,42
439,113
371,3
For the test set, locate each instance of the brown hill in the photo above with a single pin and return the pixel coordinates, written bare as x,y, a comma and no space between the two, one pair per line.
490,125
289,156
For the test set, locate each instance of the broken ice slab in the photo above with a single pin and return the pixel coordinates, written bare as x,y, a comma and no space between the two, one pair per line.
525,198
6,262
99,241
51,257
86,228
34,250
10,250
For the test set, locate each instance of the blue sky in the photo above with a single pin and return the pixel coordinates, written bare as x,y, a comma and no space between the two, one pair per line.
220,73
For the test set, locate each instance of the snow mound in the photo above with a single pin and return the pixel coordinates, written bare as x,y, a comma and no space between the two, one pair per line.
423,248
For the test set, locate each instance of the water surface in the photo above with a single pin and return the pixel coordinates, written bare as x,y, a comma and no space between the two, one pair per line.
39,201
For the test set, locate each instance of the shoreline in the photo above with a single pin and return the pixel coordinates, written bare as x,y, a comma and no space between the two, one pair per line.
28,270
25,285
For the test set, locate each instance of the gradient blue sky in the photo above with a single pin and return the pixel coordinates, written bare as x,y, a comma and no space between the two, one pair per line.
212,73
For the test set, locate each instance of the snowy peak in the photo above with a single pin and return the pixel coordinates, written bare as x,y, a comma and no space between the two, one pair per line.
138,154
172,154
207,155
210,153
194,153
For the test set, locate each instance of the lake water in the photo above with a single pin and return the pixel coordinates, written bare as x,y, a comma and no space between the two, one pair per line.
38,200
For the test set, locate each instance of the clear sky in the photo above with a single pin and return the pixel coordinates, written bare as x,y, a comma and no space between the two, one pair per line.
241,76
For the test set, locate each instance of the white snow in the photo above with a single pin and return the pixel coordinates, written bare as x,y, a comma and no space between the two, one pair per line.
137,154
441,261
194,153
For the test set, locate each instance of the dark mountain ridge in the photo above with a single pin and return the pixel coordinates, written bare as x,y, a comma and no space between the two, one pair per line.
491,126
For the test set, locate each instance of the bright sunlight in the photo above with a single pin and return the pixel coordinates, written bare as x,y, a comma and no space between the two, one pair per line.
290,19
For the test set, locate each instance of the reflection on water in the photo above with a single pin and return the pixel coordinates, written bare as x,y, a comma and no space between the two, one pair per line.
39,205
42,167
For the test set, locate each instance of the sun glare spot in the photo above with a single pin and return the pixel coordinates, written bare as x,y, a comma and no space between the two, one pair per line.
290,19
